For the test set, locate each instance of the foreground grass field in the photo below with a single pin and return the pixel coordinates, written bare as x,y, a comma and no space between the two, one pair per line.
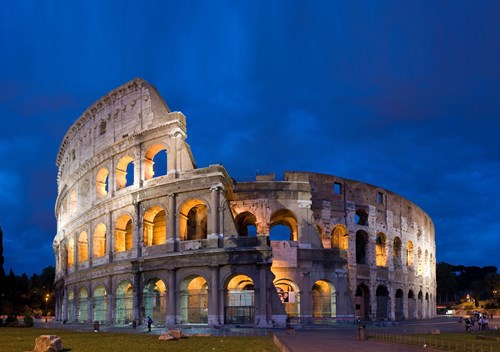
23,339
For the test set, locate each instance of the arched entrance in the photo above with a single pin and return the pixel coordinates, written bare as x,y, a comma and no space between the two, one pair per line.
382,295
71,306
83,305
420,305
193,220
239,301
123,307
194,300
362,301
100,304
323,302
411,305
399,305
155,300
290,296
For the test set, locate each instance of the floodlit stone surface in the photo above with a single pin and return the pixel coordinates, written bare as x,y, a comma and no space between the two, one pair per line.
48,343
143,231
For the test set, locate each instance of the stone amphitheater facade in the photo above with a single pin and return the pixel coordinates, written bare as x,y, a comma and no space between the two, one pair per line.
142,231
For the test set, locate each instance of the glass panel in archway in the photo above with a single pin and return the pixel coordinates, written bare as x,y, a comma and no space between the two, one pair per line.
194,301
71,306
239,301
83,305
289,295
100,304
155,300
323,302
123,310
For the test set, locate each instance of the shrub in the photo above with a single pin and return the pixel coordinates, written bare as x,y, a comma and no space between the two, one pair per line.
28,321
11,321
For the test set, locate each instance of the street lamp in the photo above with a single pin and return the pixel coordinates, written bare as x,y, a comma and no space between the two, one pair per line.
46,301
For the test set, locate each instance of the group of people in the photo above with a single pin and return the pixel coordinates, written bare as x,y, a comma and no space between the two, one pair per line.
482,322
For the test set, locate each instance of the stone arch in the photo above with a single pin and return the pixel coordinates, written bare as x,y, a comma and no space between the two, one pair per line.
102,182
383,302
323,301
194,300
155,226
155,161
419,262
100,303
361,247
155,299
71,253
285,219
340,237
292,301
123,302
72,202
124,172
71,305
399,312
381,249
396,251
246,224
193,220
411,305
410,254
123,235
361,217
362,302
239,300
99,240
420,303
83,305
83,247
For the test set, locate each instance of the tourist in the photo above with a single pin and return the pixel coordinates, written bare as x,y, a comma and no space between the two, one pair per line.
149,321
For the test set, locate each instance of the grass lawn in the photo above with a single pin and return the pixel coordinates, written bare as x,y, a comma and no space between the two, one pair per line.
23,339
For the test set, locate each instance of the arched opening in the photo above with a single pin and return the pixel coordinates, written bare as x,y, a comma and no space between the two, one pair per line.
125,172
399,305
289,294
419,262
100,240
83,247
381,250
427,306
361,241
155,161
193,220
361,217
194,300
155,226
101,182
71,253
396,252
123,234
239,301
362,302
323,302
283,226
123,307
100,304
71,306
426,268
155,300
383,306
246,224
411,305
340,237
420,307
72,203
410,254
83,305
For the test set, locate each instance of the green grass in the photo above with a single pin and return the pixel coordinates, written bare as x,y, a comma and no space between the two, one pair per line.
458,341
23,339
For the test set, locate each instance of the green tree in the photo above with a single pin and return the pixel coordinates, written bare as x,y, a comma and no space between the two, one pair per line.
447,284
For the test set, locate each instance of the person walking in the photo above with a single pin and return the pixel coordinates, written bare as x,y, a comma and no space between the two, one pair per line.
150,322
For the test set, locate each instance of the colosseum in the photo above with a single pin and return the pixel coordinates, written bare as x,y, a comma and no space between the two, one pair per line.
142,231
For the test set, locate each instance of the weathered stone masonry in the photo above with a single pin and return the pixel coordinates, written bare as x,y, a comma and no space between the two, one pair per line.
143,231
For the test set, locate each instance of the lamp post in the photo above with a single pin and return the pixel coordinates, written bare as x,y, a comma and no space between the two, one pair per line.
46,301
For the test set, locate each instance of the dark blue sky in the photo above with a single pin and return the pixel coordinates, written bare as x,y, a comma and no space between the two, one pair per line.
401,94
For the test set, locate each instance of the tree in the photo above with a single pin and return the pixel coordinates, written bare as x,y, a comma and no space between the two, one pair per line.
446,282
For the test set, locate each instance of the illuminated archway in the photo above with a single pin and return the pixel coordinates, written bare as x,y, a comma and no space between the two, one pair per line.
324,305
155,161
239,301
124,172
123,234
123,306
155,226
83,305
83,247
283,226
291,299
194,300
99,240
419,262
193,220
101,182
71,253
71,306
340,237
410,254
155,300
100,304
381,249
246,224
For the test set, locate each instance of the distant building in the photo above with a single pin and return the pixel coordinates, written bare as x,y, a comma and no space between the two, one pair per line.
141,231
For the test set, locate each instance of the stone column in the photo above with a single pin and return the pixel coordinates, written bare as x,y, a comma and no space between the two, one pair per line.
172,299
172,235
137,295
110,309
136,240
109,238
213,299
